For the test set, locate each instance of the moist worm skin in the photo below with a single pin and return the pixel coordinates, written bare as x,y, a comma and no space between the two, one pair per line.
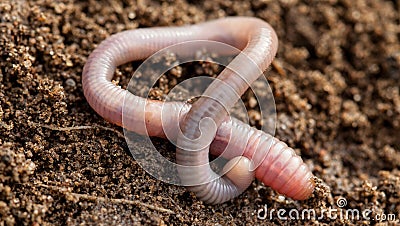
276,164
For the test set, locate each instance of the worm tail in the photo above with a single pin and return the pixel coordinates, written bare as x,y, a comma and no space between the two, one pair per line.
276,164
283,170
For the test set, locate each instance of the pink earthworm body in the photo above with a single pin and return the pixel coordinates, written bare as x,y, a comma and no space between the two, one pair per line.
276,164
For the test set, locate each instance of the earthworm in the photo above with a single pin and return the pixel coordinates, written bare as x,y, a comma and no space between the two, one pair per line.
276,164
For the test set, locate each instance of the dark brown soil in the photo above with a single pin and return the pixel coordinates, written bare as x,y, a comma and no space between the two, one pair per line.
336,84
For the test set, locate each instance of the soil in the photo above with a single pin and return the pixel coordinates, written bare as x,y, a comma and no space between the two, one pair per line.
335,80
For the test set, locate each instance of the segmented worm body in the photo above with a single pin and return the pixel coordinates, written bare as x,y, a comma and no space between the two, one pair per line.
276,164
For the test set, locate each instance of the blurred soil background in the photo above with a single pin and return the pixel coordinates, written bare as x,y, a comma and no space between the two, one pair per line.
335,80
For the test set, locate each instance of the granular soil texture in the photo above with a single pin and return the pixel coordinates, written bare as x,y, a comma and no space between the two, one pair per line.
335,80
